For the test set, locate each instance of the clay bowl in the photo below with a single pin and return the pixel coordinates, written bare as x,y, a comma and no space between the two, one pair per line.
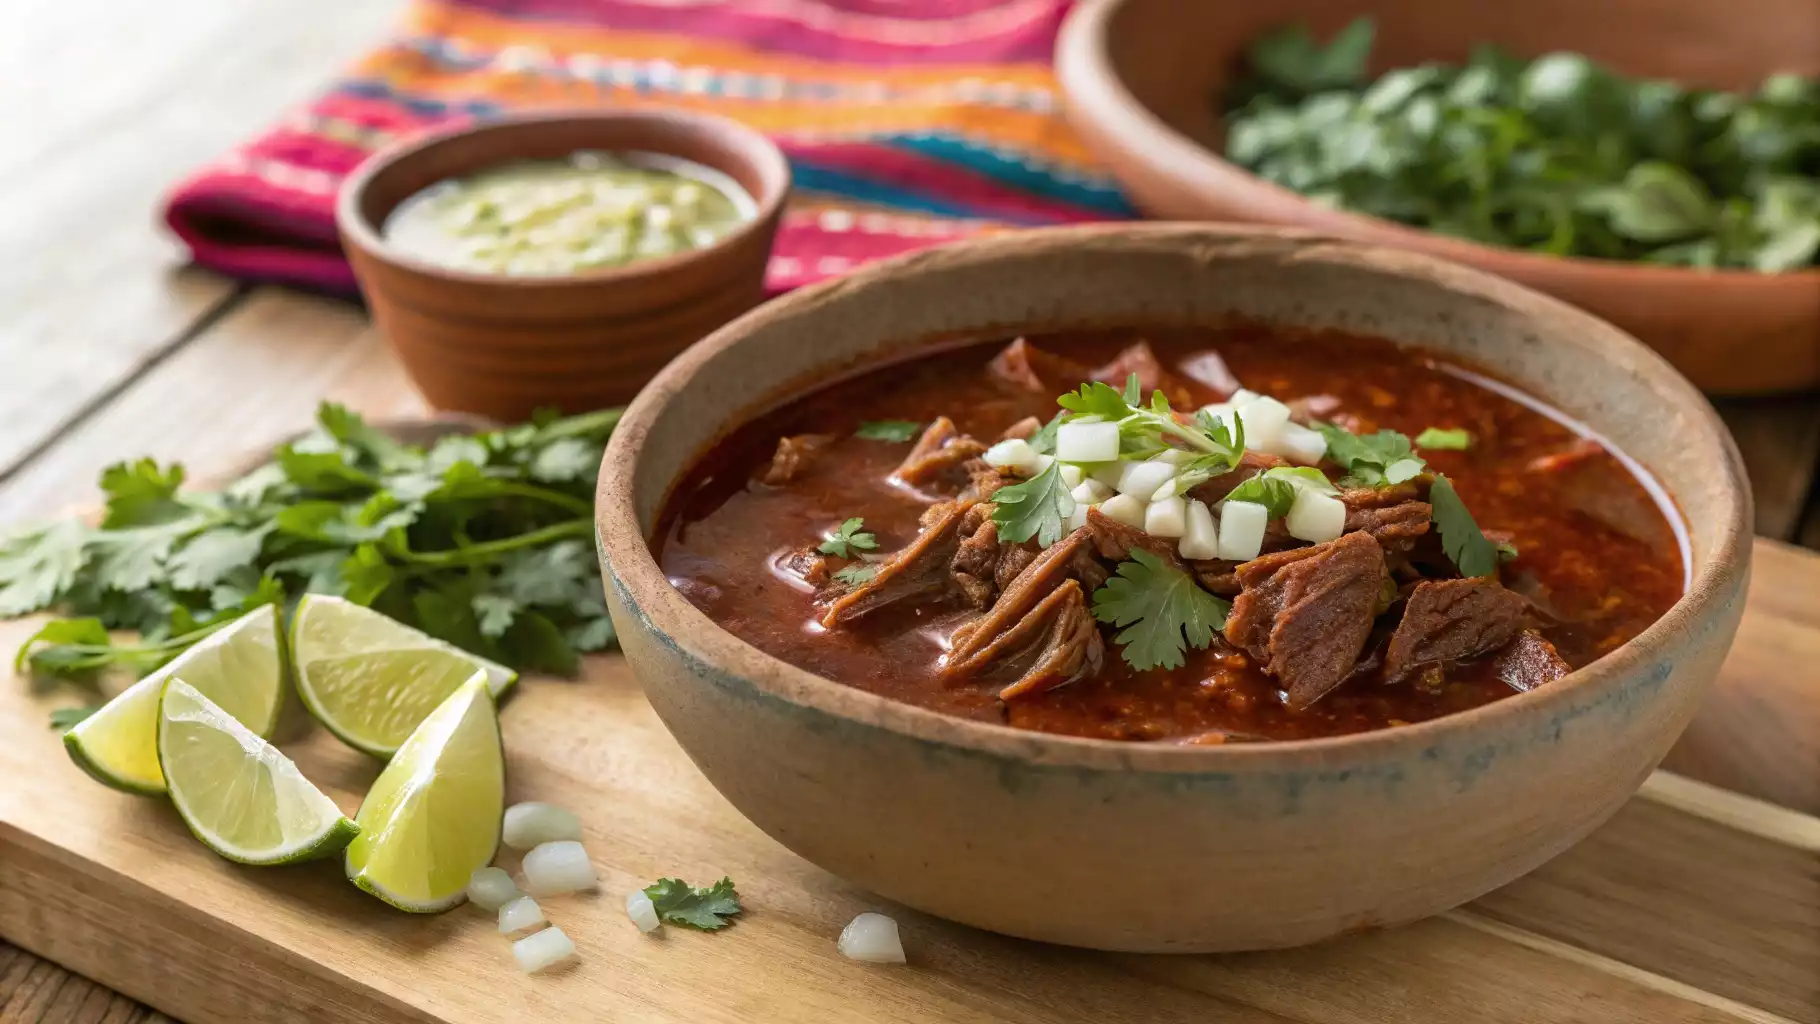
1140,78
503,346
1151,847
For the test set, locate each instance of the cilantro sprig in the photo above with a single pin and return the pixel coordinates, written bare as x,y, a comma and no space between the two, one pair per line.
481,540
1466,545
848,538
1276,487
1378,460
707,909
856,574
1161,611
1037,507
888,430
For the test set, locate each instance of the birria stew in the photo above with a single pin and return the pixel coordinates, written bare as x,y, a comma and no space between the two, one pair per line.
1192,536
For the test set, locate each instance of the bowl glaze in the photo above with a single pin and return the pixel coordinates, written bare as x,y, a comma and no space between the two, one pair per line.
504,346
1140,78
1143,846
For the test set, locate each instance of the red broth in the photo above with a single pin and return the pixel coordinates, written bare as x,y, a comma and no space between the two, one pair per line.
1598,555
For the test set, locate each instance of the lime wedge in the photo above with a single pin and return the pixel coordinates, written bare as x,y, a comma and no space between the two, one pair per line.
433,817
371,679
239,667
236,792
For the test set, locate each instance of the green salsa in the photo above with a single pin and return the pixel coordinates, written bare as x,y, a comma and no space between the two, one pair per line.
584,212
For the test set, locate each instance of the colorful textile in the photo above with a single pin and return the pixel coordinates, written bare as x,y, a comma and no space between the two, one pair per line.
907,122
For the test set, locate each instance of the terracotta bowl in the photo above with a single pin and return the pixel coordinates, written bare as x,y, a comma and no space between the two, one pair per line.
1140,79
503,346
1155,847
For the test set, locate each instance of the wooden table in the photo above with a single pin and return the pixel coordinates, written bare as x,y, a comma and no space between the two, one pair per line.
109,348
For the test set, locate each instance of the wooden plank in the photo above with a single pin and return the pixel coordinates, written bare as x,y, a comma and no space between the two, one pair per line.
140,906
76,1001
1758,733
255,376
107,106
1780,441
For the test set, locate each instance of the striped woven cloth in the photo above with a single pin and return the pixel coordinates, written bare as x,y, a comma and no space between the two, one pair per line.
907,122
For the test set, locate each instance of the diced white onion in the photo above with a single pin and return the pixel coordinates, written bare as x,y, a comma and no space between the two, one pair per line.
873,939
1221,411
1072,475
544,950
1087,442
1043,462
1091,492
1015,455
520,915
1242,530
1078,518
555,868
491,888
1264,419
1202,538
642,913
1167,518
1242,397
1143,478
529,824
1110,473
1125,508
1315,516
1174,456
1301,445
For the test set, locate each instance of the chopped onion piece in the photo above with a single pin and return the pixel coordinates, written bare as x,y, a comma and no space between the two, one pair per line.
1072,475
1299,444
1143,478
873,939
520,915
642,913
1126,509
1110,473
1167,517
1078,518
1174,456
1091,492
491,888
1315,516
1265,418
1202,538
555,868
1242,530
1087,442
1221,411
544,950
529,824
1243,397
1015,455
1043,462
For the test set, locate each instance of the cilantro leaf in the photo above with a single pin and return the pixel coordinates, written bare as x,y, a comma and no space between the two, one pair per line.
856,574
847,538
1043,441
369,444
40,565
1145,431
1037,507
141,493
593,634
64,719
209,556
1444,439
568,458
1162,611
495,613
1274,494
1374,460
707,909
1461,538
888,430
1096,399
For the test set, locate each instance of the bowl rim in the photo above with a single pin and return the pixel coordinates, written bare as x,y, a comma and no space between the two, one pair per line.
1091,84
690,633
754,147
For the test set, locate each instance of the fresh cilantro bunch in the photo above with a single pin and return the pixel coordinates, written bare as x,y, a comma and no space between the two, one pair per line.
1555,154
482,540
1162,610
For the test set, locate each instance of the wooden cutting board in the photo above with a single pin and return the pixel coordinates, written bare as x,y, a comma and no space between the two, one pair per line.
1692,904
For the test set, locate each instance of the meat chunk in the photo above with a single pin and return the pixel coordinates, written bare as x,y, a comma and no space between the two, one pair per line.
1033,583
1452,620
919,571
1114,540
1305,614
1251,463
793,455
1309,408
1217,575
1529,661
1054,644
983,481
1141,360
807,565
1209,369
939,456
975,565
1022,366
1022,430
1396,527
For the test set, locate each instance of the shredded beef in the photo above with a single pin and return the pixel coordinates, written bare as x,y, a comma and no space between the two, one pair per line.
918,571
983,481
1529,661
1034,582
1309,408
1024,367
939,456
1141,360
808,565
1114,540
1452,620
1022,430
1396,527
1052,645
1305,614
793,455
1012,559
975,565
1217,575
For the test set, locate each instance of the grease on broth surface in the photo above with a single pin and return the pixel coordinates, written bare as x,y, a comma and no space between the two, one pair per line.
588,211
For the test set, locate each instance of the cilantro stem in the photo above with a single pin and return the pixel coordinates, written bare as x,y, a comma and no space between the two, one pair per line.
563,501
486,551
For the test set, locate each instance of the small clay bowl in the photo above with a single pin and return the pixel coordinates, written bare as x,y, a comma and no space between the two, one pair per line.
1154,847
1141,78
504,346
